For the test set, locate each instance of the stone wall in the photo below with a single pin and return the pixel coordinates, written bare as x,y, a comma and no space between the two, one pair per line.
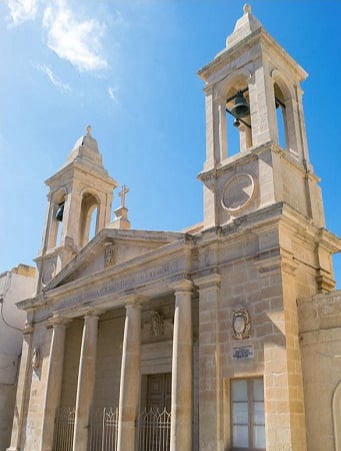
72,349
15,285
108,361
320,331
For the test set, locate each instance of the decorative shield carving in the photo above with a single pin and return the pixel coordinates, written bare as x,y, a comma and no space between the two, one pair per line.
241,324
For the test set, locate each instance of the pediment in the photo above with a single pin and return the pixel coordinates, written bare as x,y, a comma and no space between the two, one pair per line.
111,247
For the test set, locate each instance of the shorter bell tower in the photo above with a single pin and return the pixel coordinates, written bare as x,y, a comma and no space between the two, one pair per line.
79,206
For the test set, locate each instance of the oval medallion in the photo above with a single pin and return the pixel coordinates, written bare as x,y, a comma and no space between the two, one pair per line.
238,192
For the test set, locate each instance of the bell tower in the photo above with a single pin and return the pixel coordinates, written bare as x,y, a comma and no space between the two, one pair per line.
256,83
79,205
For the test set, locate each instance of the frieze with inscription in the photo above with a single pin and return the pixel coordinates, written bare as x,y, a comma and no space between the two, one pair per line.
115,286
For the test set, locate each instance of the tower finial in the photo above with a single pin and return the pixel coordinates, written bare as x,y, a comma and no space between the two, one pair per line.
88,130
247,9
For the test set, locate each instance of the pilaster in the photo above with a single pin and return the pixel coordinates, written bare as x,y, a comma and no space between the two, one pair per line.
54,381
210,379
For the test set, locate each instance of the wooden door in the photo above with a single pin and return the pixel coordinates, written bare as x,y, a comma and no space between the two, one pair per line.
159,389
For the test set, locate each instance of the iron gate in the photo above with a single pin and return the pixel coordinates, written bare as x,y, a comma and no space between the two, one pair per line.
103,429
154,430
64,427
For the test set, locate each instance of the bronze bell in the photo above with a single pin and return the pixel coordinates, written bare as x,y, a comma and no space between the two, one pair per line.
60,211
241,107
236,122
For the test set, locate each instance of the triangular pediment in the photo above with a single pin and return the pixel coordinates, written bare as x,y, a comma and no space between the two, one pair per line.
110,248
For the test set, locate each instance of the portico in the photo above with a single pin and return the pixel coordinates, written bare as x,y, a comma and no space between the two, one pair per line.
131,319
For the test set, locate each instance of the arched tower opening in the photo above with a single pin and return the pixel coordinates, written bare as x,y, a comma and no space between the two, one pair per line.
238,118
56,219
88,217
282,123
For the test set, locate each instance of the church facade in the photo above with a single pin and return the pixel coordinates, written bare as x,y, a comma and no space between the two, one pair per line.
221,337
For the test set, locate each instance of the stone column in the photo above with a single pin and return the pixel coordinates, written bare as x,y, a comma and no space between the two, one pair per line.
181,420
22,390
54,381
211,435
86,382
130,379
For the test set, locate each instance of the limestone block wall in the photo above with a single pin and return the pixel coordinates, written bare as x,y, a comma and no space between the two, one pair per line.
72,350
108,361
259,273
320,329
41,341
262,295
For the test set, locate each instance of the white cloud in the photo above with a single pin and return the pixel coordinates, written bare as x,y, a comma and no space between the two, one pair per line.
113,94
63,87
74,40
22,10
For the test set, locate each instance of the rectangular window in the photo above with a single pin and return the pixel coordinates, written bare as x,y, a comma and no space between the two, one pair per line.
247,413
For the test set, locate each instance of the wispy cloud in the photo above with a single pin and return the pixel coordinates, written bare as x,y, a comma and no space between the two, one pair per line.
63,87
113,94
77,41
71,36
22,10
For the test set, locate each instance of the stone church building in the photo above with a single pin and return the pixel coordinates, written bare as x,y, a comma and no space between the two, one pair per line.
226,336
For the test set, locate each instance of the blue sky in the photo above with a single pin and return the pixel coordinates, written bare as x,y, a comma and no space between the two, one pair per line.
128,68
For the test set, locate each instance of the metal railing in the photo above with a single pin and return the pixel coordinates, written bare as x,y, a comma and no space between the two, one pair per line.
154,430
103,429
64,427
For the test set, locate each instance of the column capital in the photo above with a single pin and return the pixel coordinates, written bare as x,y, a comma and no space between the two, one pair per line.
131,299
28,328
208,280
132,306
93,313
182,286
56,320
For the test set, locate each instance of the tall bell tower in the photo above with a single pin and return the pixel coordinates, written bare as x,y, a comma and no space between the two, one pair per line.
259,83
79,204
263,210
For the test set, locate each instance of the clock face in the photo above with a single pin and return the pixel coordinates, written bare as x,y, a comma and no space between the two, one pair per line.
238,192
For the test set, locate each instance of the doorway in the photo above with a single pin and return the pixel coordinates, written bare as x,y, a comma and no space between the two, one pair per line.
155,419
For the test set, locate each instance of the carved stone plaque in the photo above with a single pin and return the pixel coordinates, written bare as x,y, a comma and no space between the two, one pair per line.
243,352
238,192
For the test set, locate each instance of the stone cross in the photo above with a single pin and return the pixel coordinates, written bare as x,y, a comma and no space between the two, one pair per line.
123,194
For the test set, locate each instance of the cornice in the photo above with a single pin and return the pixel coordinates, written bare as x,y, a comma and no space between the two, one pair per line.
100,174
241,159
